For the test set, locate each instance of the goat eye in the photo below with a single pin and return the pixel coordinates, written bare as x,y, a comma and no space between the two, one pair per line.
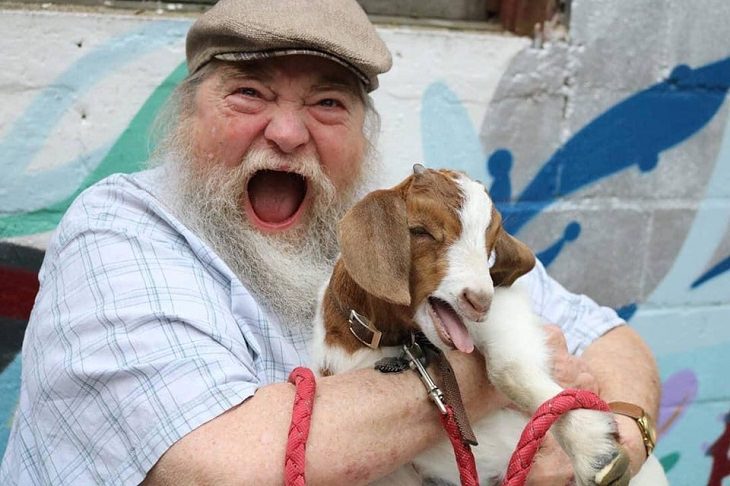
492,258
420,231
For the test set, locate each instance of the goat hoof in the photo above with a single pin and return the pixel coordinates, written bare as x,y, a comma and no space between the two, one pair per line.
615,472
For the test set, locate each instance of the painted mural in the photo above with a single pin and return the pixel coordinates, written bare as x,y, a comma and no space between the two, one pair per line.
633,135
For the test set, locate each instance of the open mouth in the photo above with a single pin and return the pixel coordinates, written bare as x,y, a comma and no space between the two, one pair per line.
449,325
276,198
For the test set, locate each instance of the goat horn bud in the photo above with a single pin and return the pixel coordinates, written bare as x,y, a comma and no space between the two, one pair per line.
418,169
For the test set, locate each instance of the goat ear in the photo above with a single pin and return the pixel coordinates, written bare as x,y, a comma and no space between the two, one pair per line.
375,246
513,259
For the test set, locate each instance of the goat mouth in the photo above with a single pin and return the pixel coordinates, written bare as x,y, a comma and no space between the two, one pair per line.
449,325
275,198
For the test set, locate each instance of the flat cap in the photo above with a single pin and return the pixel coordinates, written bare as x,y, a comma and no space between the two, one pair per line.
244,30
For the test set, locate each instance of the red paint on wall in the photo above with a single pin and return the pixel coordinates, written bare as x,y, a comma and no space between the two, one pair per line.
720,453
18,288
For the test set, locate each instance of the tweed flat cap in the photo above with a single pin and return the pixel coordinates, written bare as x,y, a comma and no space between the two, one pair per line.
244,30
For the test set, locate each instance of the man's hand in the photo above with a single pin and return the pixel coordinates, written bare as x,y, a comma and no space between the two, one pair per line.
568,370
552,466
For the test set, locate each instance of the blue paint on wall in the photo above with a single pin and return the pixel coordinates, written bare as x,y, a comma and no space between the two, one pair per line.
448,136
632,133
499,166
715,271
27,136
549,254
627,311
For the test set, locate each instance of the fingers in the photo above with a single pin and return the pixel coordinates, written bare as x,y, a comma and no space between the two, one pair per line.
568,370
555,338
552,466
586,381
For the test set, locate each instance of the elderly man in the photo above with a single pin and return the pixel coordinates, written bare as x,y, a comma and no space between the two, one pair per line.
174,302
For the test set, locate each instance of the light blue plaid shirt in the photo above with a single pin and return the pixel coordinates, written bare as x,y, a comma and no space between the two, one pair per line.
140,334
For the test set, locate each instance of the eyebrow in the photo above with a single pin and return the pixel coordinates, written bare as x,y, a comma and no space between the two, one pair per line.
263,73
230,72
329,82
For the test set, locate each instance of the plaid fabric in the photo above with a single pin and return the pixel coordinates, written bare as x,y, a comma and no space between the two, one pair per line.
140,334
580,318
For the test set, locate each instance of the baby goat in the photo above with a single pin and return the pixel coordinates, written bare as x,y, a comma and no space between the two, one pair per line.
431,255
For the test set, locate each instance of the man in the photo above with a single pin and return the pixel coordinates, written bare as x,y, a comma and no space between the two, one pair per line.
174,302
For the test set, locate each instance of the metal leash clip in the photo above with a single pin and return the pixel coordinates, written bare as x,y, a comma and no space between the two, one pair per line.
414,354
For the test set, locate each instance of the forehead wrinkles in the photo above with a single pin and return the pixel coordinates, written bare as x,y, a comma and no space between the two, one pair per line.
476,212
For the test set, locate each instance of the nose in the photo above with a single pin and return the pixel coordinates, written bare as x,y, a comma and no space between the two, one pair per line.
287,130
475,304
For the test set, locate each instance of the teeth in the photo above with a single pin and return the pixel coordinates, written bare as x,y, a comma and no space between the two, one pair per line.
440,328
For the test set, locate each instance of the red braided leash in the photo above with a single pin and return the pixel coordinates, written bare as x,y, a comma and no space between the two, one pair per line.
294,461
535,430
462,451
519,465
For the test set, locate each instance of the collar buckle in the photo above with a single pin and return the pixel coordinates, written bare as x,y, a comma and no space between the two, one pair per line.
361,328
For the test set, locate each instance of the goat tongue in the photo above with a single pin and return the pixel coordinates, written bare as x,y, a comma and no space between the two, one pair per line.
275,196
454,326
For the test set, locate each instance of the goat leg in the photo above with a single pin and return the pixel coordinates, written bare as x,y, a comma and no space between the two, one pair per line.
517,361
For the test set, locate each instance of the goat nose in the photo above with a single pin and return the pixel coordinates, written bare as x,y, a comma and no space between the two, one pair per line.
475,304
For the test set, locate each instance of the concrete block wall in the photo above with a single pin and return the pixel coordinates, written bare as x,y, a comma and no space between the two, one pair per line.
609,150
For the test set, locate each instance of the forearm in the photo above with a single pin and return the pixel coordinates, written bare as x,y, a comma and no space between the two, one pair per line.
364,425
625,369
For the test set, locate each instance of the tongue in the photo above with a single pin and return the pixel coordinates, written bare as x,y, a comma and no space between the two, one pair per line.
454,326
275,196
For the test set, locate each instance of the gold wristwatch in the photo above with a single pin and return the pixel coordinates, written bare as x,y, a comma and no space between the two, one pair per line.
642,419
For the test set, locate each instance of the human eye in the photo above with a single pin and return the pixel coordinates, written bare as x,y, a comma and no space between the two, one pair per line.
246,98
248,91
330,103
331,108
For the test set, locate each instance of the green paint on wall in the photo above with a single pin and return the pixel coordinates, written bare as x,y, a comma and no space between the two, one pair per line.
669,461
128,154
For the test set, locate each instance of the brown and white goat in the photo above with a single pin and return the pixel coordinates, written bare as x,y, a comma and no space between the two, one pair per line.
430,254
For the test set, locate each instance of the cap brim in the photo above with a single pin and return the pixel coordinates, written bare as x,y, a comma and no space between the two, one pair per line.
258,55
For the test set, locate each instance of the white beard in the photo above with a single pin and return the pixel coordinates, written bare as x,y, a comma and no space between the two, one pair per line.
283,270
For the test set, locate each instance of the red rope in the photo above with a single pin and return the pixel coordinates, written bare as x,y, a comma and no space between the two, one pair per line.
462,451
537,427
294,461
519,465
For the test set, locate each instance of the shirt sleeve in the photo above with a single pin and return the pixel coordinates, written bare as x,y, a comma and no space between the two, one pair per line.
131,345
580,317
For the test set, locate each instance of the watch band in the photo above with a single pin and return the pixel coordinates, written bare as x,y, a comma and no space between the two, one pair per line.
642,419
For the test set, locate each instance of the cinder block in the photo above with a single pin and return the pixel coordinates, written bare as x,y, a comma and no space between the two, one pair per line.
452,10
669,227
700,35
607,260
526,112
512,122
624,42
